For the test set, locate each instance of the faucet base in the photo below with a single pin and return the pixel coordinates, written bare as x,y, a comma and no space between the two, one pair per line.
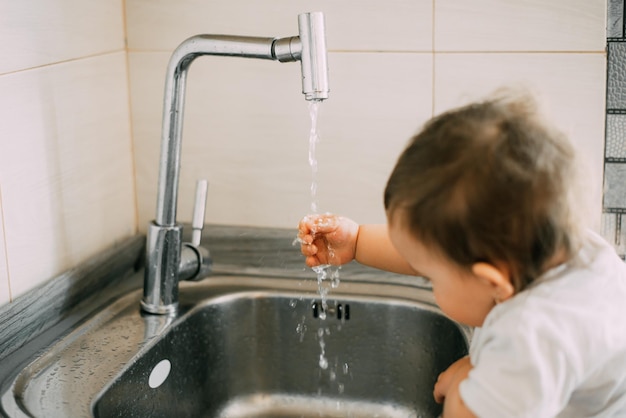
159,309
163,249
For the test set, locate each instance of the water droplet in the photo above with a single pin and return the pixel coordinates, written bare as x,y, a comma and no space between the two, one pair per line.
323,362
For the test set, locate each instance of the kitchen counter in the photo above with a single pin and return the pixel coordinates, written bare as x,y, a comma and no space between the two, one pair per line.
36,319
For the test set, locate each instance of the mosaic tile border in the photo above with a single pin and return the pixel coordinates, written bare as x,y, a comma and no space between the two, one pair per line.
614,197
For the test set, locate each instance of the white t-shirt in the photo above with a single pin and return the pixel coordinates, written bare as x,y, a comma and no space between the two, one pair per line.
558,348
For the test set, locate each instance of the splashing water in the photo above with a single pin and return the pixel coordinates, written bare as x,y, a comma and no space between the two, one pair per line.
327,274
323,363
324,271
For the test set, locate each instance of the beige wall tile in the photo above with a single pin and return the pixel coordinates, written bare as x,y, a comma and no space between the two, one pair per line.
252,142
36,33
522,25
65,166
379,102
247,128
65,160
569,87
394,25
5,292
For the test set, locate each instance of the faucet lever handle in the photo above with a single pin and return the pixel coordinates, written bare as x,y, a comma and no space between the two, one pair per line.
199,208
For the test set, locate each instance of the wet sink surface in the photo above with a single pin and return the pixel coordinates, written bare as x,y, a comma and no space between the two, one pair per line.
252,347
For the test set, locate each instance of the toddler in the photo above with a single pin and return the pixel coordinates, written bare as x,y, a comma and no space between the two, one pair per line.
482,203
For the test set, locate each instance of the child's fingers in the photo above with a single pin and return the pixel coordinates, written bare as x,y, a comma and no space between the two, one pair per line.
308,250
305,239
312,261
325,224
311,230
317,224
437,394
438,398
304,227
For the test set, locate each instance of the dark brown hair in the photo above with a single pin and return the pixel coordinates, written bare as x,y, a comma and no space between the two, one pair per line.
488,182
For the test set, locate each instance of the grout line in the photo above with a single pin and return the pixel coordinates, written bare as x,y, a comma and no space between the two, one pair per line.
148,51
476,51
623,19
433,66
602,52
416,51
6,251
37,67
130,119
618,228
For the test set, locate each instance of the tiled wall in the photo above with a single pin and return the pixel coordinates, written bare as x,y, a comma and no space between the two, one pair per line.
67,77
66,174
614,209
393,64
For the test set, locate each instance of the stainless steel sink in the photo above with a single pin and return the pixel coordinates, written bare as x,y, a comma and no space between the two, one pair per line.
251,347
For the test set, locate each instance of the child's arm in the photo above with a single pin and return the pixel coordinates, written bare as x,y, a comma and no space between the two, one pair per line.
447,390
374,249
331,239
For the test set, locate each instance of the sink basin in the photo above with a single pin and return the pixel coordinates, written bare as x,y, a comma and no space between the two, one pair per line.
251,347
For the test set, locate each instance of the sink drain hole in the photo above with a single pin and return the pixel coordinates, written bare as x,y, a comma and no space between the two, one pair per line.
343,311
340,311
316,309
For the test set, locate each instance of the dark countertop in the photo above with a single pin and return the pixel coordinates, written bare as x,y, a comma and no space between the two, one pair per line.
271,251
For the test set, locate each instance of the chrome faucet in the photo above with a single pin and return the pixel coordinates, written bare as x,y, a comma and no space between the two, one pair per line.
168,260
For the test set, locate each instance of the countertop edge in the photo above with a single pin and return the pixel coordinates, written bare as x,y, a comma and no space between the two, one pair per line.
52,302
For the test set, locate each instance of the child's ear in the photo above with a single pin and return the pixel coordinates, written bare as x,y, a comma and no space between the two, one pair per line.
498,278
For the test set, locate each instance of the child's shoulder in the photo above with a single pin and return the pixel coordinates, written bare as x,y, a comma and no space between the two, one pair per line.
564,335
595,266
578,297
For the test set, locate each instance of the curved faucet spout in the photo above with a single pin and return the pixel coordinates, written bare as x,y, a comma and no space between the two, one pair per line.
174,101
164,241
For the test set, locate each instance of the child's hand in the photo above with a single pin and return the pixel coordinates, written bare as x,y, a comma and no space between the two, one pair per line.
327,239
452,376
